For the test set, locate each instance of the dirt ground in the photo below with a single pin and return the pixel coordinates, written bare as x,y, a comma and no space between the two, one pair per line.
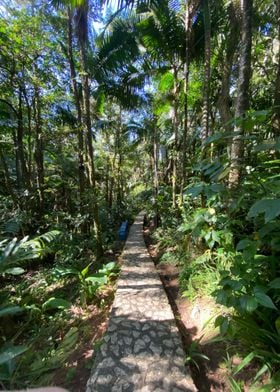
208,375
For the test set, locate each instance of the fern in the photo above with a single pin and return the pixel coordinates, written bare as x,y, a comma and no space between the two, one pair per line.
14,252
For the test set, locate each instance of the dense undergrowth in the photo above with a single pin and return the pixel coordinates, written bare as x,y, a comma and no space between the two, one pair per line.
226,244
53,294
176,101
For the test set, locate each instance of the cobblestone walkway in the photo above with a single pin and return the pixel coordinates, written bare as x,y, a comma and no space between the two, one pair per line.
142,350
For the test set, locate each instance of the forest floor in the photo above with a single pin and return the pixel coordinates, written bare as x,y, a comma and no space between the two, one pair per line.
208,376
193,319
76,371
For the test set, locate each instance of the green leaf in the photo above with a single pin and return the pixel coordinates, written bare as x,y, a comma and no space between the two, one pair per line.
262,370
244,363
56,303
84,272
100,280
224,173
14,271
275,284
264,300
248,303
245,244
270,208
166,83
9,353
60,271
10,310
110,266
195,190
277,324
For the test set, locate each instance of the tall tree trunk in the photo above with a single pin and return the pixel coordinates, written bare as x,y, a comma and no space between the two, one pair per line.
7,179
80,131
23,168
15,140
82,36
155,170
224,101
186,88
17,162
175,121
39,151
276,114
119,164
242,100
107,180
77,99
29,135
207,70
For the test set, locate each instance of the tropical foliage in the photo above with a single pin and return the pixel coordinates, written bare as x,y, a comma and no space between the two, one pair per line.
170,106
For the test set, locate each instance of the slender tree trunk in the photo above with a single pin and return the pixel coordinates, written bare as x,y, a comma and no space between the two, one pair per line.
118,154
107,180
17,162
39,151
87,122
25,181
29,136
8,181
78,108
207,70
155,170
242,100
224,101
276,115
80,132
175,130
15,140
186,88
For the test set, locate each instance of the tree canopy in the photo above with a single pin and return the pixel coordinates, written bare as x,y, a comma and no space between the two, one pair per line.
169,106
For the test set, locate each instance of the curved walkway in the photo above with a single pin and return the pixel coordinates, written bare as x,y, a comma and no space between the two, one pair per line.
142,350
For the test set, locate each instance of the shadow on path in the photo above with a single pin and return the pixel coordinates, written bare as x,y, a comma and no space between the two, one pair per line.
142,350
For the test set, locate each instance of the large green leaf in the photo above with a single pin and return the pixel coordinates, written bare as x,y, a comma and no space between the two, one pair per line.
84,272
275,284
9,353
10,310
61,271
108,269
244,363
194,190
248,303
97,279
14,271
167,82
270,208
56,303
264,300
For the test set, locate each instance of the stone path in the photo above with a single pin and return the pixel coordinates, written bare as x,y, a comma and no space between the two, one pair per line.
142,350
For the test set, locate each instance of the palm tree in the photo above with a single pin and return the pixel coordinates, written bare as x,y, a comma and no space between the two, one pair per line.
242,100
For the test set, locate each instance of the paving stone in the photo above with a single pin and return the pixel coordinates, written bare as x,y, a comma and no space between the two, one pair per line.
142,350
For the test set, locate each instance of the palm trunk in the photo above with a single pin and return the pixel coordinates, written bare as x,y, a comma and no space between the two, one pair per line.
276,122
224,104
155,170
87,122
39,152
78,108
207,70
242,101
186,88
175,130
